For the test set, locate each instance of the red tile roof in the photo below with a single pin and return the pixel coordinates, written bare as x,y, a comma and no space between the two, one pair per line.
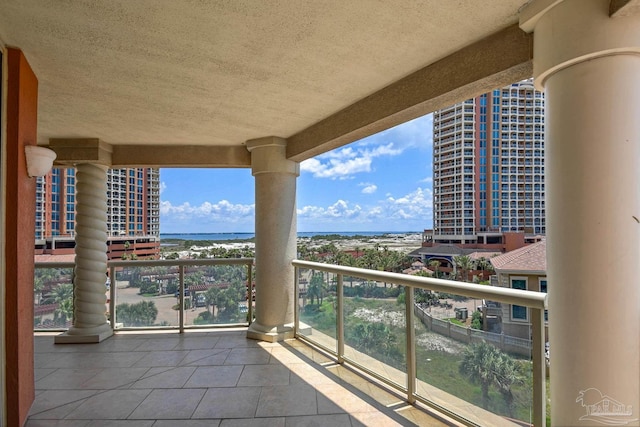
532,258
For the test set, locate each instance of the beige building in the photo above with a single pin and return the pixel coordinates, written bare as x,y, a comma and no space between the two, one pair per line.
524,269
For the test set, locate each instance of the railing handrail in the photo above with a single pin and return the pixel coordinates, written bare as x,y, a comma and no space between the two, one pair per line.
530,299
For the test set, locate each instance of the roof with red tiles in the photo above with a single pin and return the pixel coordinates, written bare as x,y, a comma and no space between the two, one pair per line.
530,258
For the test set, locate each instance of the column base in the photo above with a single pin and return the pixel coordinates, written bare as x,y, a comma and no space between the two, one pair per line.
66,338
271,334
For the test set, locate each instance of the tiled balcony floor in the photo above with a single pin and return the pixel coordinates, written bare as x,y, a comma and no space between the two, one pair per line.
216,378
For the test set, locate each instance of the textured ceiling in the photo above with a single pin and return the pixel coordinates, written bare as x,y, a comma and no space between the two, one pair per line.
223,72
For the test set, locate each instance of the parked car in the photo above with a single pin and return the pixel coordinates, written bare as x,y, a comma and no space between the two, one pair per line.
200,301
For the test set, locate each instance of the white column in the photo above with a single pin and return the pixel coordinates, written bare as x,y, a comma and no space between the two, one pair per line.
589,67
90,323
275,180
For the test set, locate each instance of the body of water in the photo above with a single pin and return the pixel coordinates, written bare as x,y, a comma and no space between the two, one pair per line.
243,236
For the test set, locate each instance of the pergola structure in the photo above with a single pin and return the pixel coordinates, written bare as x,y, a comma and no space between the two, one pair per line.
266,85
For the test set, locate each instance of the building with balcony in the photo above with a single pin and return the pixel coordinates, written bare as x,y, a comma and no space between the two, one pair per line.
267,85
133,203
524,269
488,167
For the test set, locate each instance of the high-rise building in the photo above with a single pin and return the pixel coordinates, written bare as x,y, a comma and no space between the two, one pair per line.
488,167
133,202
133,210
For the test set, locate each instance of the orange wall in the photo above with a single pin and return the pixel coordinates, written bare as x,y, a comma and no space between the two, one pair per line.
22,105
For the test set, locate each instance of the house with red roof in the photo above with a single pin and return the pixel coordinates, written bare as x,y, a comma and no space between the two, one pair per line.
524,268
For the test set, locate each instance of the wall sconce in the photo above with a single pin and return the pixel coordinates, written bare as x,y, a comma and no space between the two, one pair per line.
39,160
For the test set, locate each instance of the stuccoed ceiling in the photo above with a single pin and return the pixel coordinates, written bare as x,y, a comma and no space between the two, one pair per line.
177,72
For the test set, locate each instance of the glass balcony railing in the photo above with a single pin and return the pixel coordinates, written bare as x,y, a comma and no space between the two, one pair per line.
441,358
160,294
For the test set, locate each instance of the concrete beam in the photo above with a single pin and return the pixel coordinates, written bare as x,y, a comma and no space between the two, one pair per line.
71,151
500,59
620,8
181,156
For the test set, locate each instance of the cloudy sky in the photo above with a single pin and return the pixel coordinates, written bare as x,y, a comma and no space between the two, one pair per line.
380,183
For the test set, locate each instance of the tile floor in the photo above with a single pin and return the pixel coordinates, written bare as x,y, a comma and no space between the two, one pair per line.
214,378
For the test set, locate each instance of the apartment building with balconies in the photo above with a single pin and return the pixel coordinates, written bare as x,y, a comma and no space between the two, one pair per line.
488,167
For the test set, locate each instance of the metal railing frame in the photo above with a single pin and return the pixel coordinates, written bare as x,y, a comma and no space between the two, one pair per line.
181,264
536,301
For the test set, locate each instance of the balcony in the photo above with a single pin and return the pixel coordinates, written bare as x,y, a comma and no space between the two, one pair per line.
204,377
181,370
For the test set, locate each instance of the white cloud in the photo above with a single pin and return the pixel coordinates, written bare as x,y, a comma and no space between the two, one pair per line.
368,188
345,162
223,210
412,211
417,204
163,186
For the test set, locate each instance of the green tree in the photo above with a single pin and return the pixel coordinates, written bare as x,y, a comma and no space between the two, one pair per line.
143,313
508,373
434,265
315,287
478,364
63,297
464,264
486,365
476,320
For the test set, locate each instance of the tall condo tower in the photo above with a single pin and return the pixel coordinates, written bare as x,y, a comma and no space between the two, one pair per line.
133,203
488,166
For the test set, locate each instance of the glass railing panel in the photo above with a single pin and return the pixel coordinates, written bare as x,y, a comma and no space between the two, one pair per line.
53,298
374,328
145,297
215,295
463,357
317,305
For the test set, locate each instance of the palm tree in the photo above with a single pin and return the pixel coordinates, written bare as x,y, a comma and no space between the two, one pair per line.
434,264
315,287
484,264
465,264
508,373
486,365
479,364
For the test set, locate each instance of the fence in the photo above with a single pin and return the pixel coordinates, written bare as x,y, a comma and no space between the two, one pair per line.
465,335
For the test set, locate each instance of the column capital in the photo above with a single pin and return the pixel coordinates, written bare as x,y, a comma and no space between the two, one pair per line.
268,155
73,151
568,32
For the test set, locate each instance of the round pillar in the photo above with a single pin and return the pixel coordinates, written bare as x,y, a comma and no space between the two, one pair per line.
589,66
89,304
276,238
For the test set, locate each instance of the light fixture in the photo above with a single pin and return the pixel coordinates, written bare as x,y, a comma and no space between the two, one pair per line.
39,160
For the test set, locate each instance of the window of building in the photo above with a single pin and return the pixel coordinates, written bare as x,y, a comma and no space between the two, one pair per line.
543,288
518,312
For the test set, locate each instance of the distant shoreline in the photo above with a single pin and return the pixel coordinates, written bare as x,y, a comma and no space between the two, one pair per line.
343,240
249,237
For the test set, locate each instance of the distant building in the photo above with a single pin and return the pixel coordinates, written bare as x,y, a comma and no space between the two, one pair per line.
488,169
133,211
526,269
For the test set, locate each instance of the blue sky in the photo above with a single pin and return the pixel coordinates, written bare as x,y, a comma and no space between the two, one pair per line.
380,183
